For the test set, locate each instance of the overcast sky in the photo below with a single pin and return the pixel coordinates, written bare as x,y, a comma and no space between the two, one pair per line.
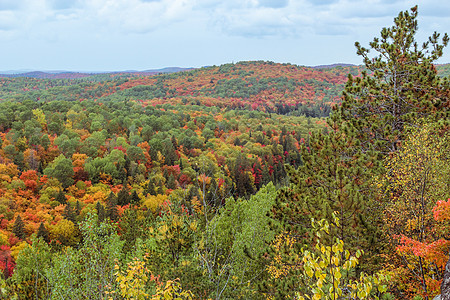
110,35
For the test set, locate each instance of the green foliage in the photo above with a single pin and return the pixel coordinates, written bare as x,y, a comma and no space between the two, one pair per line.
402,86
61,169
19,228
43,233
172,291
29,280
233,244
87,272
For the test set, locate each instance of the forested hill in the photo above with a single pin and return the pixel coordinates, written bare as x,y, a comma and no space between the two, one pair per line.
263,86
255,85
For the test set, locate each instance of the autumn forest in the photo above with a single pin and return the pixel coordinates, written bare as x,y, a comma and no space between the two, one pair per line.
249,180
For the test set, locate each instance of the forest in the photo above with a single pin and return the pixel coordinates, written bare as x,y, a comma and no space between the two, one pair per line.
249,180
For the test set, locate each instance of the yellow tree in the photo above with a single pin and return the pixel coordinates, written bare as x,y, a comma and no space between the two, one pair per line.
416,178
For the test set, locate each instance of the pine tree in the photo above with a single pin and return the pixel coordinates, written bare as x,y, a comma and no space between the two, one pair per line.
101,214
402,85
111,207
171,183
134,199
78,208
19,228
335,176
61,197
150,188
43,233
69,213
123,197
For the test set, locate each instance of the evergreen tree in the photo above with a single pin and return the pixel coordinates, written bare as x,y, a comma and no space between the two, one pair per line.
69,213
131,229
123,197
401,85
111,207
171,183
43,233
134,199
19,228
78,208
101,214
335,177
61,197
150,188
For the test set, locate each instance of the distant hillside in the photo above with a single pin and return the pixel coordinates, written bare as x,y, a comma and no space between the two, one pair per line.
77,75
333,66
254,85
48,75
443,70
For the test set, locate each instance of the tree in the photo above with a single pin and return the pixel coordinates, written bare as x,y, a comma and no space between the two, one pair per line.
233,244
29,280
123,197
43,233
101,214
327,270
417,179
61,197
335,176
88,271
401,86
19,228
69,213
61,168
171,291
111,207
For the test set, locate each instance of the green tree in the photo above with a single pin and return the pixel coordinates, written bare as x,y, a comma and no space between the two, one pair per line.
19,228
335,176
29,280
43,233
111,207
401,85
86,272
123,197
61,168
101,214
69,213
61,197
233,244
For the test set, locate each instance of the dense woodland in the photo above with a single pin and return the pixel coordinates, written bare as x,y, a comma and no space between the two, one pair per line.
252,180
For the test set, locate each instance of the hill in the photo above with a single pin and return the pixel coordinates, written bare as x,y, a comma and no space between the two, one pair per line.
254,85
264,86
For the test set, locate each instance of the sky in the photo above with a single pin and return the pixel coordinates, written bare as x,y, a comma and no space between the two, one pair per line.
118,35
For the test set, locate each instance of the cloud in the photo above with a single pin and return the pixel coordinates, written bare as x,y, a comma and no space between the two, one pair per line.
134,16
63,4
8,20
9,4
273,3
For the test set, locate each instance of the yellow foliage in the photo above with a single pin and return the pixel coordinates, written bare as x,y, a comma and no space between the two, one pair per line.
153,202
132,281
78,159
15,250
277,268
40,117
3,238
326,267
172,291
65,231
7,172
197,205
